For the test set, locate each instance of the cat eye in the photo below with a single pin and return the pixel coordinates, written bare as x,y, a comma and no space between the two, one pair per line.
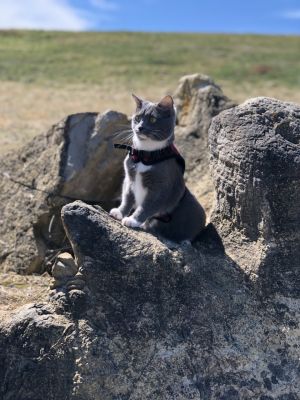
153,120
137,118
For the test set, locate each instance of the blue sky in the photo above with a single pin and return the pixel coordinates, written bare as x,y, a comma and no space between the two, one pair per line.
229,16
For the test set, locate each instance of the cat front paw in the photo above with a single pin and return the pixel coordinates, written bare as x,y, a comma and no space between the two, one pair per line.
131,222
116,214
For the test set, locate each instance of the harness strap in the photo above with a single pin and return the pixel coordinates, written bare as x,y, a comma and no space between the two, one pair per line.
153,157
122,146
168,216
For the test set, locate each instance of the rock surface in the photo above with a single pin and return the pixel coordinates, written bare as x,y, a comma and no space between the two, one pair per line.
153,323
198,99
72,161
143,319
255,156
63,270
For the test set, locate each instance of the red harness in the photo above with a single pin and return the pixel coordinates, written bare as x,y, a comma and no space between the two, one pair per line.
153,157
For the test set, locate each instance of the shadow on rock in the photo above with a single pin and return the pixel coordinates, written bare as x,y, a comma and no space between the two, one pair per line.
152,323
255,160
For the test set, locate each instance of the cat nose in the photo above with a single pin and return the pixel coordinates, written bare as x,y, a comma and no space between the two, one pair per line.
140,129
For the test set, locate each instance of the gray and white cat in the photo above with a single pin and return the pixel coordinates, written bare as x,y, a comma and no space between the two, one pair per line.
154,195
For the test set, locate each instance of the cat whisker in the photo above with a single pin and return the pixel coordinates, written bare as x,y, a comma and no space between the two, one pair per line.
123,130
124,125
126,138
119,133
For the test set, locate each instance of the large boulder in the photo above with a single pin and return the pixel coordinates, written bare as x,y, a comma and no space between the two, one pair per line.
198,99
144,319
255,163
152,323
73,160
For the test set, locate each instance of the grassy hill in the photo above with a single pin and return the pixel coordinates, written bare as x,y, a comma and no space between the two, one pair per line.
44,75
146,58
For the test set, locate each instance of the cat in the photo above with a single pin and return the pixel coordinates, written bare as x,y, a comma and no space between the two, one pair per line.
154,195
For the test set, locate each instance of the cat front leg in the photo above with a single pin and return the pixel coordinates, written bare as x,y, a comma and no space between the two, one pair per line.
116,214
131,222
140,216
126,203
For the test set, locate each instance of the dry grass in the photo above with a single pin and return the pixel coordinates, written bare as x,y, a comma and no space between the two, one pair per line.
17,290
29,109
47,75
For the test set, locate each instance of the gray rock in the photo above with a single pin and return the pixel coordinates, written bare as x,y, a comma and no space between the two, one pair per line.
154,324
65,273
145,320
255,162
198,99
64,266
40,347
75,283
74,160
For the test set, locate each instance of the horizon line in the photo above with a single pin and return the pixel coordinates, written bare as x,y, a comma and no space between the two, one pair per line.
246,33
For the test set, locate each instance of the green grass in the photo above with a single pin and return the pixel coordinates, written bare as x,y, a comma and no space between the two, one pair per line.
140,59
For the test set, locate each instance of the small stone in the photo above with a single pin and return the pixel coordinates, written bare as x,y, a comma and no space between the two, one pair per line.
57,283
78,301
67,259
76,283
64,266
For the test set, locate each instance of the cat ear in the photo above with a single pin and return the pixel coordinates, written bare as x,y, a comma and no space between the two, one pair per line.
167,102
139,102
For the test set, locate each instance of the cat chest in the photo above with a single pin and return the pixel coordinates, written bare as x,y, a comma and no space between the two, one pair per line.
138,187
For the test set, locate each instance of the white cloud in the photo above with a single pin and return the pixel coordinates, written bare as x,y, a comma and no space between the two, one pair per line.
52,14
291,14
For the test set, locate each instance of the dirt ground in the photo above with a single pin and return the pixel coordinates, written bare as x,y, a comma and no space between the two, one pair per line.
17,290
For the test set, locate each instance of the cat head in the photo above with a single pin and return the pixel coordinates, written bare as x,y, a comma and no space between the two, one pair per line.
153,123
